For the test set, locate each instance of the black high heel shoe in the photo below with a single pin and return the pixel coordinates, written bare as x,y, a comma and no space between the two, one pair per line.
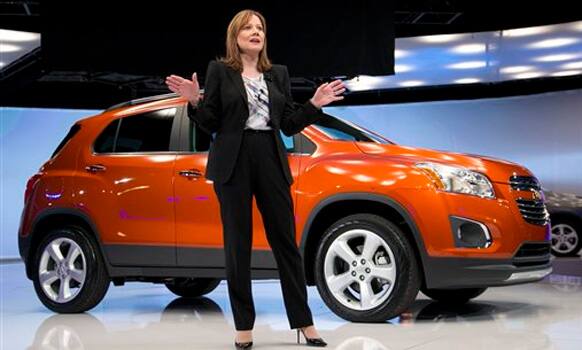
245,345
311,341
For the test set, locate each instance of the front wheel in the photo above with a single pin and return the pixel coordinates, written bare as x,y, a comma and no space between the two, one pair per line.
366,270
453,296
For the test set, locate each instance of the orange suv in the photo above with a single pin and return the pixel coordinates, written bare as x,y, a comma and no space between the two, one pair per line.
123,198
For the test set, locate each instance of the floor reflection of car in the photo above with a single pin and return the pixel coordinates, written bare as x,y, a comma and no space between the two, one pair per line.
86,331
123,198
566,219
203,318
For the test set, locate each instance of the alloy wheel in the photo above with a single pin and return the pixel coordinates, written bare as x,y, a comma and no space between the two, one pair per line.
360,269
62,270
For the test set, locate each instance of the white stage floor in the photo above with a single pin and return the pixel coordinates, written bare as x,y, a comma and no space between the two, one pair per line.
545,315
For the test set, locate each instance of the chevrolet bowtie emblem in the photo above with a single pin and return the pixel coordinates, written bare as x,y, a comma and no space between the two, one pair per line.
536,194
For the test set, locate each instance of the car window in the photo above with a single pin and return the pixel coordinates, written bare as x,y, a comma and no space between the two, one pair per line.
72,132
338,134
105,141
305,144
343,130
289,142
146,132
200,140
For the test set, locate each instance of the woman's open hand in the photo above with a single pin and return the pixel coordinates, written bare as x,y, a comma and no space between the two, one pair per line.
327,93
189,89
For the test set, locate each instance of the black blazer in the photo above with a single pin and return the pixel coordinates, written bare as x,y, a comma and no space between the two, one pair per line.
224,110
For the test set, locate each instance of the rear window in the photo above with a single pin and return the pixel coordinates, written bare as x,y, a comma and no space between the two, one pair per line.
146,132
106,140
72,132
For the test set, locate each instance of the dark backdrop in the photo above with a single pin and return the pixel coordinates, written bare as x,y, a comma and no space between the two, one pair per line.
314,39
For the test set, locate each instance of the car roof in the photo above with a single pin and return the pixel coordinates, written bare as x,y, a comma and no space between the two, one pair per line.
142,100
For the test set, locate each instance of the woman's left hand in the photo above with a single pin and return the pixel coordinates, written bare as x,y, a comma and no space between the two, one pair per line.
327,93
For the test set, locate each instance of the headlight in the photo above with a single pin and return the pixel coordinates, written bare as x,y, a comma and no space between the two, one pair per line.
459,180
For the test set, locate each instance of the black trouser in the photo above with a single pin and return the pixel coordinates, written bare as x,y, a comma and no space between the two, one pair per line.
258,172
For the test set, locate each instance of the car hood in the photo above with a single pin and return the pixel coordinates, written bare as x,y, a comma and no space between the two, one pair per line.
497,170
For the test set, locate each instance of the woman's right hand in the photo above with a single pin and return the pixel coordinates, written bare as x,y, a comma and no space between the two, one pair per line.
189,89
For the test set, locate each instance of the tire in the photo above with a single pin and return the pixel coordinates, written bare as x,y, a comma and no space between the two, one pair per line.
87,280
453,296
566,239
192,287
388,268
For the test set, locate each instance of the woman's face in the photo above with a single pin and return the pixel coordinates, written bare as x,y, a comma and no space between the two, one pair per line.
251,37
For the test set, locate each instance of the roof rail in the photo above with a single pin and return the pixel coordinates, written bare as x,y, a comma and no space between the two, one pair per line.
142,100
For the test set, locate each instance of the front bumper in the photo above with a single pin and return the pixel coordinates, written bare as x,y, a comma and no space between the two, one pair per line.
530,264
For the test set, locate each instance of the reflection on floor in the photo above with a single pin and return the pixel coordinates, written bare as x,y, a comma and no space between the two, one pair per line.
545,315
571,266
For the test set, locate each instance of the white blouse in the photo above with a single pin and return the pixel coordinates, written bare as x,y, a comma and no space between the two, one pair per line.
258,97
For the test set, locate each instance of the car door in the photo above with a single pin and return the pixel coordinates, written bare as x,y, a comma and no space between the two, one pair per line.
127,191
198,224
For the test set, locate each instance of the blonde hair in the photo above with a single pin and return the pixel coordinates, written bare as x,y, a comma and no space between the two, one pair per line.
232,58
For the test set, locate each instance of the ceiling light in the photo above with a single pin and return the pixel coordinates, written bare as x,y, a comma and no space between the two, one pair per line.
554,58
525,31
515,69
366,79
469,48
565,73
572,65
400,53
17,36
435,39
467,81
401,68
364,82
468,65
528,75
411,83
9,48
556,42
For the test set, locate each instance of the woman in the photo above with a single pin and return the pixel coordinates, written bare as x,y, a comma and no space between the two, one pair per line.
247,100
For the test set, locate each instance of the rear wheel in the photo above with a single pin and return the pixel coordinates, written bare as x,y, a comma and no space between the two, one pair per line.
192,287
69,272
366,270
453,296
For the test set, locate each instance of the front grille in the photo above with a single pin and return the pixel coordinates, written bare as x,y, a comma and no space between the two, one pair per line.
524,183
532,210
533,249
532,254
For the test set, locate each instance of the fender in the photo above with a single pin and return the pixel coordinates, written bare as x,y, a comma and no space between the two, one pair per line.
26,241
374,197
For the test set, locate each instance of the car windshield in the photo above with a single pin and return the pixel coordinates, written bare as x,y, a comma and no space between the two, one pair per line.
343,130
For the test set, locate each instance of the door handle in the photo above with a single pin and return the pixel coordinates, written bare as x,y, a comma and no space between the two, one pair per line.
190,173
94,168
